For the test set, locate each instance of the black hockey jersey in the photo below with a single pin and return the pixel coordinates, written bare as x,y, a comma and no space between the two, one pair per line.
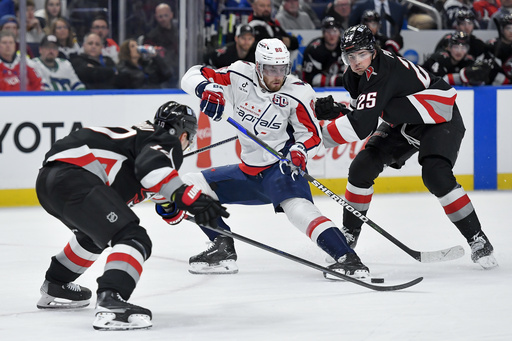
502,72
321,67
440,64
226,56
394,89
137,162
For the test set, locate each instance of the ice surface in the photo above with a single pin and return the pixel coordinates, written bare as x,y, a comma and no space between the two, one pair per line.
273,298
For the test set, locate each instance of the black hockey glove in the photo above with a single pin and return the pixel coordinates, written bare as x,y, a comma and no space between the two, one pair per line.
327,109
205,209
170,213
478,73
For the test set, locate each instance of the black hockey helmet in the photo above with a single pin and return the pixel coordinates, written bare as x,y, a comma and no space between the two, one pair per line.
459,38
370,15
505,20
465,14
358,37
177,118
330,22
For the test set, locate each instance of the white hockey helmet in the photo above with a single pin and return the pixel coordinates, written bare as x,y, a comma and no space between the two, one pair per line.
272,52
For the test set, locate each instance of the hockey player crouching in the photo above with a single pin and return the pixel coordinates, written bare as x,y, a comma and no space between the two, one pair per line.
277,107
420,115
88,181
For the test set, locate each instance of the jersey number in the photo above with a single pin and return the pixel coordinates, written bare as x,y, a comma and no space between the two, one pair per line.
366,101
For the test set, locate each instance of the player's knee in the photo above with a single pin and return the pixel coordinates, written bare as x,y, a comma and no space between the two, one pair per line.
198,180
135,236
365,168
437,175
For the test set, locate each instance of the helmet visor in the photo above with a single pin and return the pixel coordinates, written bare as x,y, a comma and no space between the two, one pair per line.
276,70
356,56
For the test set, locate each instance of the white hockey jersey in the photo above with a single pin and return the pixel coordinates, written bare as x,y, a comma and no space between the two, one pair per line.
60,78
278,118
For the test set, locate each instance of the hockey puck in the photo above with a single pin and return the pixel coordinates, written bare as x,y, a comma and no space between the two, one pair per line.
377,280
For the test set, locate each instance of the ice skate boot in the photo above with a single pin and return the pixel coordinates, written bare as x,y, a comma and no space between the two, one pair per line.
482,251
219,258
351,235
114,313
65,296
349,264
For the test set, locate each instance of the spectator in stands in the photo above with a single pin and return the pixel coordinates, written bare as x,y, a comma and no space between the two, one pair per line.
450,10
372,20
52,10
392,15
322,65
95,70
501,47
9,22
484,10
140,67
10,66
34,26
465,22
506,8
166,35
242,48
57,73
110,48
6,7
68,45
421,18
292,17
455,65
266,27
340,11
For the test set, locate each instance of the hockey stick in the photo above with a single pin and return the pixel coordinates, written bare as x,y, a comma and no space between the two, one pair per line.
308,263
421,256
211,146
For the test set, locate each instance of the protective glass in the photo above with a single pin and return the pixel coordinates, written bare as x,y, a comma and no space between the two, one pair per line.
356,57
276,70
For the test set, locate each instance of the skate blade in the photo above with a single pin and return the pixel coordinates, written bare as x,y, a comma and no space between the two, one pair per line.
487,262
358,274
225,267
106,321
50,302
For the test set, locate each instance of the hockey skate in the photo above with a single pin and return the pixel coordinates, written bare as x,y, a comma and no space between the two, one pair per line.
351,235
482,251
219,258
65,296
349,264
114,313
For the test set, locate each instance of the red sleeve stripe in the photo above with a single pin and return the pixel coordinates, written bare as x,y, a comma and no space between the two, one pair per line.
156,188
216,76
305,119
334,133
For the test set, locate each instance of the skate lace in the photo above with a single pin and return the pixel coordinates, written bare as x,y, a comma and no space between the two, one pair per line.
348,236
477,243
120,298
73,287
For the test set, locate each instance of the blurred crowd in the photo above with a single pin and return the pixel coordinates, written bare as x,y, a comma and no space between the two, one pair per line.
63,56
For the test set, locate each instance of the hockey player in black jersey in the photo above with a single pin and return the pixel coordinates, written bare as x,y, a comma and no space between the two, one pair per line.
322,65
419,114
501,48
372,19
455,65
89,179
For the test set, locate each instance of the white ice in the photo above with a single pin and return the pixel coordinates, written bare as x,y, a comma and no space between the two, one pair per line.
273,298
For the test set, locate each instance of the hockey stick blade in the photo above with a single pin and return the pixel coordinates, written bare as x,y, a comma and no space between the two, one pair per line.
308,263
425,257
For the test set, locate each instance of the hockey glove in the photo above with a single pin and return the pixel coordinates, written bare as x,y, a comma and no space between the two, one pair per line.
212,101
297,159
476,74
205,209
170,213
327,109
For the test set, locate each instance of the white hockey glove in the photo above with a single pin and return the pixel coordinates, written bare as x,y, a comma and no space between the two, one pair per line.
212,101
298,157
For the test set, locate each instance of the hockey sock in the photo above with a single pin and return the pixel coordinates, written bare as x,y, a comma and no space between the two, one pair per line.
359,198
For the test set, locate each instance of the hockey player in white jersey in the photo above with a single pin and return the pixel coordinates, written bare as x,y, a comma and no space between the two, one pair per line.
279,109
